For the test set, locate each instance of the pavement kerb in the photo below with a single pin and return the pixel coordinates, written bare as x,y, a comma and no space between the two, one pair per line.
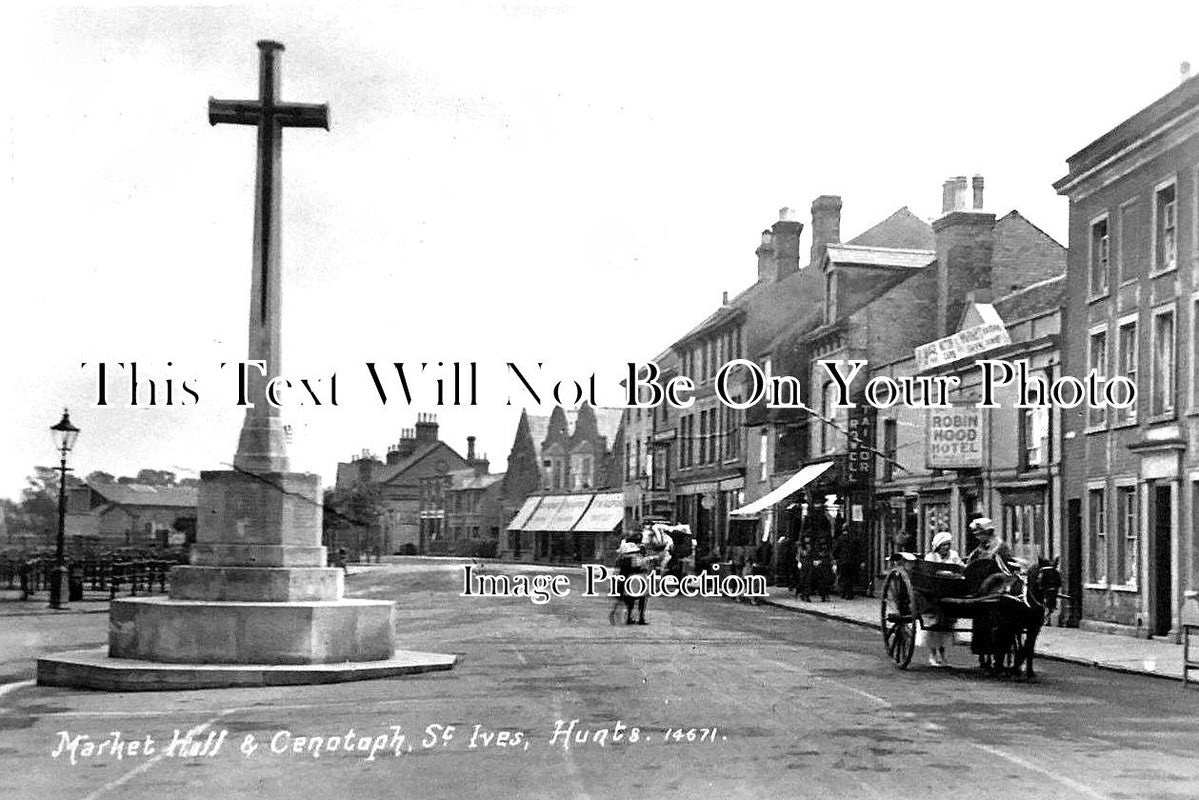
1086,662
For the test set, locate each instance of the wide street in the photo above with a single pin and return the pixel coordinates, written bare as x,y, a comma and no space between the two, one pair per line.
793,705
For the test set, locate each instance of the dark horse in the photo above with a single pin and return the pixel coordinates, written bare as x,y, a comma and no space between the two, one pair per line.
1017,606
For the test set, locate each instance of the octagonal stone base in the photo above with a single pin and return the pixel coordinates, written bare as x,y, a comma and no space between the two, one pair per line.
249,584
93,669
201,632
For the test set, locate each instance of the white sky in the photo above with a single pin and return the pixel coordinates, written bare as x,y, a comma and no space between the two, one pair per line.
574,184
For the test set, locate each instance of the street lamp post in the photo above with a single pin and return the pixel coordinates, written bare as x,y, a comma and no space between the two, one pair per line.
64,435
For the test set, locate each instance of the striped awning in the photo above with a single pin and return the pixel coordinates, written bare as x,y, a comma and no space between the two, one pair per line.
604,515
522,516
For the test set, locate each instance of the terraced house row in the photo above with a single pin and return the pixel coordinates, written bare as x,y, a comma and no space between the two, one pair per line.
1114,493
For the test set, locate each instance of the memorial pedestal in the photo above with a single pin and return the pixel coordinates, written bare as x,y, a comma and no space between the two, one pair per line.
256,606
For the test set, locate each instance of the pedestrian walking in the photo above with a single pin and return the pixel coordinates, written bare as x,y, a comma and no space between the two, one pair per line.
630,561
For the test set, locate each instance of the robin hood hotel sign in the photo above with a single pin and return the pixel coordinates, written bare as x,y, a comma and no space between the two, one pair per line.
954,438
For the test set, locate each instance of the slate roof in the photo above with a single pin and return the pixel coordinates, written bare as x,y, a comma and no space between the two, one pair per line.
900,258
467,479
390,472
902,229
1032,300
137,494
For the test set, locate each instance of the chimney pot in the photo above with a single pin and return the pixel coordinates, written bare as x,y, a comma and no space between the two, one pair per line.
1184,71
724,298
978,192
786,214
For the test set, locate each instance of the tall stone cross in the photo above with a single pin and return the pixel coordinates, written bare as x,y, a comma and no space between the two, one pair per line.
262,445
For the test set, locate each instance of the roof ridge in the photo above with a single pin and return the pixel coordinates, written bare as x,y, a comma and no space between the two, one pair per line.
1043,282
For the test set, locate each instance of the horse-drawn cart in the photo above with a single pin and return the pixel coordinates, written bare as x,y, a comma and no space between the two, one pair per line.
1007,609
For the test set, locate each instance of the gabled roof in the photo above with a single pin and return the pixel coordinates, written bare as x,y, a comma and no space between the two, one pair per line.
903,230
899,258
607,422
423,449
137,494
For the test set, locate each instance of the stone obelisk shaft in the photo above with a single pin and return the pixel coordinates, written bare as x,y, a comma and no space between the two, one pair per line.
262,446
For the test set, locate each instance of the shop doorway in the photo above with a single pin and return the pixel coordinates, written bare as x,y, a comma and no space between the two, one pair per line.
1074,559
1162,565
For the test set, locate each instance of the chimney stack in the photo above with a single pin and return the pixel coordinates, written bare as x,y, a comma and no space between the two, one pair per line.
965,242
765,254
786,233
426,428
953,193
826,226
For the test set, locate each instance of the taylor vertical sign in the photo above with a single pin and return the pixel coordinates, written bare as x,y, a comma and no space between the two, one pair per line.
955,438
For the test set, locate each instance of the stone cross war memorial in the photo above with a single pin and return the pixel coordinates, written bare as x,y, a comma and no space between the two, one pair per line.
257,605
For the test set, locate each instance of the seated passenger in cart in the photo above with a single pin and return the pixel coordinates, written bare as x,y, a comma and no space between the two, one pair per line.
940,635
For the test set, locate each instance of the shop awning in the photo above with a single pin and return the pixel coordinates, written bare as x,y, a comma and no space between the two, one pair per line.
796,482
526,511
550,504
604,514
567,514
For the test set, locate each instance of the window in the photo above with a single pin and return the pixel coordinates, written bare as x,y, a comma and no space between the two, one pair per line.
712,436
1098,362
1127,527
703,436
1034,437
1126,364
1132,240
1163,362
763,450
1097,535
1165,230
890,447
1024,525
1100,256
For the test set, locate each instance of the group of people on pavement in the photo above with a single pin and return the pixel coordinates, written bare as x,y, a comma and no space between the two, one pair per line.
815,561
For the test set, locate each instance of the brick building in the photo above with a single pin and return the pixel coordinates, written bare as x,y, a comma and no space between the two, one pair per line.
566,453
462,511
1132,475
900,285
418,454
697,469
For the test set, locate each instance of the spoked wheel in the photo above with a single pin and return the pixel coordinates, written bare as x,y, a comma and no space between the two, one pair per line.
897,620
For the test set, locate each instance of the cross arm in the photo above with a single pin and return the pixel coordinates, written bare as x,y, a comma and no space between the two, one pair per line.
302,115
234,112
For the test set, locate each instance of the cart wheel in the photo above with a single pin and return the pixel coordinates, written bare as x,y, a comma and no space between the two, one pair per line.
897,621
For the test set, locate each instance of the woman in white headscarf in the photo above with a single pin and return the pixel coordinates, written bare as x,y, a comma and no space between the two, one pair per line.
938,640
